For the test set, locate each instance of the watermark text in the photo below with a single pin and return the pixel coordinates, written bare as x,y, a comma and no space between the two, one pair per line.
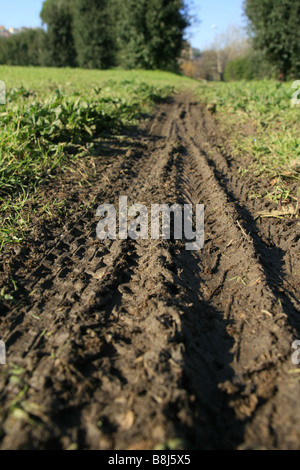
296,94
166,222
2,92
296,354
2,353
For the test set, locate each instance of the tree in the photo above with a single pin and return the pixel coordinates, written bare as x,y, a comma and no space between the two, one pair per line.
59,48
151,33
102,33
25,48
275,27
93,34
3,51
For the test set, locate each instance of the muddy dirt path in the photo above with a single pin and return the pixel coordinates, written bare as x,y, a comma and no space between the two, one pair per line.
130,344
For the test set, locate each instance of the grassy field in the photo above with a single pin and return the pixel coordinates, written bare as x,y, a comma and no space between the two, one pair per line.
54,117
261,123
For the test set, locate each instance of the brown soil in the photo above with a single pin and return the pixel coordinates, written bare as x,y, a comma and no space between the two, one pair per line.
130,344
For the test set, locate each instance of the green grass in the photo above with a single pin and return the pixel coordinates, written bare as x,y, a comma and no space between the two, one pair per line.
272,140
53,117
38,78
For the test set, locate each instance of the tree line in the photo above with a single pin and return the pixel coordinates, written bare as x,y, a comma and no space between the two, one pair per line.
99,34
150,34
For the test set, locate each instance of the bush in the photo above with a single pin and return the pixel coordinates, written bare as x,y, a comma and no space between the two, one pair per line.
251,67
26,48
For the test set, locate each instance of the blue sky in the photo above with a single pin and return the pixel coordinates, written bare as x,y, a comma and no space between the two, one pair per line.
221,13
214,17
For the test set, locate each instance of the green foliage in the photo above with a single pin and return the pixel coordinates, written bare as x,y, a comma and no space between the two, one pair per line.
251,67
59,50
239,69
99,34
93,36
275,26
34,132
150,33
26,48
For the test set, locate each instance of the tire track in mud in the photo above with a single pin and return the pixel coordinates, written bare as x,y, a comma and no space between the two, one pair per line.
67,259
259,326
128,344
275,243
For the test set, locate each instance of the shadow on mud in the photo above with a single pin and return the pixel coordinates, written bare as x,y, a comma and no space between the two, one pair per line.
271,257
207,421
